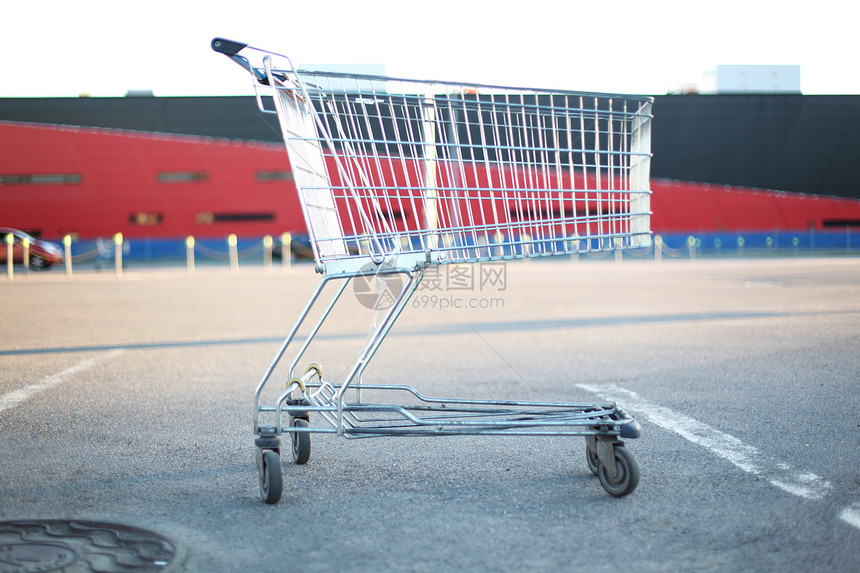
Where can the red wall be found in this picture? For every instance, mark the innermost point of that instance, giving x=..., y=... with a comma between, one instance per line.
x=680, y=206
x=120, y=177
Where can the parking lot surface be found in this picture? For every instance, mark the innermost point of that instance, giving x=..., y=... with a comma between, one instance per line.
x=128, y=401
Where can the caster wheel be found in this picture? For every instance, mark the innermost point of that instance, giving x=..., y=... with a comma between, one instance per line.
x=592, y=460
x=271, y=476
x=301, y=442
x=626, y=477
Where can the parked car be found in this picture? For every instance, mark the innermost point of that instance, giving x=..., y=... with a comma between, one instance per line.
x=43, y=254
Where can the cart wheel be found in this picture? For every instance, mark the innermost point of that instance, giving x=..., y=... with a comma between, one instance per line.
x=592, y=460
x=271, y=476
x=301, y=442
x=627, y=475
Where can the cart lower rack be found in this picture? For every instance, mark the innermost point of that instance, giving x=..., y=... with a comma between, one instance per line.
x=395, y=176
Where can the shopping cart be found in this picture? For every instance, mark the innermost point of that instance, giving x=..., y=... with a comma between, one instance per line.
x=395, y=176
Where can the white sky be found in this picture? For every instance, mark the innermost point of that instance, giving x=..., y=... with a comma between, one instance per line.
x=105, y=48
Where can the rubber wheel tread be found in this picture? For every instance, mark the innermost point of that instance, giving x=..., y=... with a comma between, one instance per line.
x=627, y=477
x=301, y=443
x=271, y=477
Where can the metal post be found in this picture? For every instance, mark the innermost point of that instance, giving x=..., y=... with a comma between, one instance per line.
x=67, y=246
x=267, y=252
x=286, y=250
x=117, y=253
x=189, y=254
x=10, y=254
x=431, y=214
x=26, y=244
x=691, y=246
x=232, y=242
x=618, y=252
x=658, y=248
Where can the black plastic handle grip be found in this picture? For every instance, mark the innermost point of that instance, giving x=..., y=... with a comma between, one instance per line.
x=227, y=47
x=231, y=49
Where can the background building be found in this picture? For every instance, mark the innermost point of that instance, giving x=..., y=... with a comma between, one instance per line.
x=152, y=167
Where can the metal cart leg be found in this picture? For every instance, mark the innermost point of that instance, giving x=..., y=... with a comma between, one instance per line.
x=268, y=437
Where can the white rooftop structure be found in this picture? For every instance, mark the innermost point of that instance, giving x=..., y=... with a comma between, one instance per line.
x=728, y=79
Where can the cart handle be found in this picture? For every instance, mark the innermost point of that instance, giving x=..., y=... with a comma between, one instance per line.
x=231, y=49
x=227, y=47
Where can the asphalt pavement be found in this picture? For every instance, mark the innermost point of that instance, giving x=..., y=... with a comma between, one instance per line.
x=128, y=401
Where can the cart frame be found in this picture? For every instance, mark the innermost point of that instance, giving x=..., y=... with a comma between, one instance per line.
x=396, y=175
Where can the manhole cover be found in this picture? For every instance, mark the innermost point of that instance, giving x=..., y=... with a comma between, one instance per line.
x=76, y=546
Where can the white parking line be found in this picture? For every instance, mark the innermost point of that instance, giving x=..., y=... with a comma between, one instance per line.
x=801, y=483
x=15, y=397
x=851, y=514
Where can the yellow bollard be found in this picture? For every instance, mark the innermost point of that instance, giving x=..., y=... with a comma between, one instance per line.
x=232, y=242
x=117, y=254
x=525, y=244
x=573, y=244
x=286, y=250
x=10, y=241
x=67, y=259
x=499, y=238
x=267, y=252
x=26, y=244
x=189, y=254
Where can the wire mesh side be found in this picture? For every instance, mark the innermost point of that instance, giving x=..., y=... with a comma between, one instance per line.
x=458, y=173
